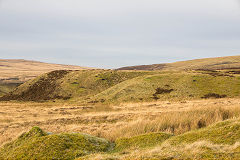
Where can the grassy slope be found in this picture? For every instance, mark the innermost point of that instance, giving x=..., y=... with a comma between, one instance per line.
x=88, y=83
x=141, y=141
x=76, y=84
x=124, y=86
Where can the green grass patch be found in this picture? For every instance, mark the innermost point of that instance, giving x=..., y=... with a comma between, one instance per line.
x=141, y=141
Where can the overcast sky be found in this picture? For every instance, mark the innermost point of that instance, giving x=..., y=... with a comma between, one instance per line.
x=115, y=33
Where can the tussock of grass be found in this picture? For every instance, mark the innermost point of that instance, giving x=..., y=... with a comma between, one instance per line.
x=36, y=144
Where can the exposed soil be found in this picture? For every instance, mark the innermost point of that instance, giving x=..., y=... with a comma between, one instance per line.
x=161, y=91
x=233, y=72
x=42, y=90
x=214, y=95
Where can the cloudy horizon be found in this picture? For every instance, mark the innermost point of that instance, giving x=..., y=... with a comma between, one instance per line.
x=112, y=34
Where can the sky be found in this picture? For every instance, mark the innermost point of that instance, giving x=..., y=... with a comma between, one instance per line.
x=117, y=33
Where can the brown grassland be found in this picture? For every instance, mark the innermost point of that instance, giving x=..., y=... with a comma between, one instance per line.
x=112, y=122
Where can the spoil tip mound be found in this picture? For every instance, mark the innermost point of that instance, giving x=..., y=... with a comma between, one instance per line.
x=43, y=89
x=36, y=144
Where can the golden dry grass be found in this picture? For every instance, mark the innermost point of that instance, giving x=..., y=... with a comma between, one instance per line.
x=112, y=122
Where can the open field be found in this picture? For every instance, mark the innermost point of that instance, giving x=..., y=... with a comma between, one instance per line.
x=115, y=121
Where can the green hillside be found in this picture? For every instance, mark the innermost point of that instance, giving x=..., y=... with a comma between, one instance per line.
x=173, y=86
x=110, y=86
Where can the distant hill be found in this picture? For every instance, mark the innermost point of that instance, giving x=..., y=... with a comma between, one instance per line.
x=14, y=72
x=23, y=70
x=219, y=63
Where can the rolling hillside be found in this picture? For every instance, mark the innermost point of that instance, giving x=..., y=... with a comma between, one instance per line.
x=108, y=86
x=219, y=63
x=14, y=72
x=196, y=79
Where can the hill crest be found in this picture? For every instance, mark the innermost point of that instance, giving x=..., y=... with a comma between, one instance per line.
x=217, y=63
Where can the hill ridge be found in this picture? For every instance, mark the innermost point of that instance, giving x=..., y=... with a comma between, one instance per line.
x=215, y=63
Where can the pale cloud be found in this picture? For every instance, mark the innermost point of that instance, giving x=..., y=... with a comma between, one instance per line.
x=115, y=33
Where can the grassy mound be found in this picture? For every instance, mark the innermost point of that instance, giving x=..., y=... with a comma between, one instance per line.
x=36, y=144
x=141, y=141
x=226, y=132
